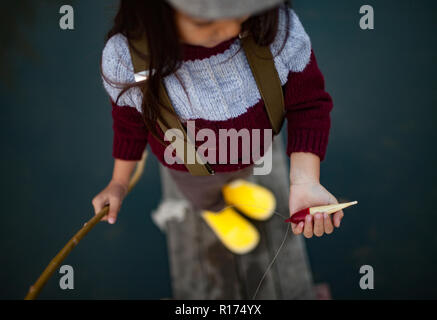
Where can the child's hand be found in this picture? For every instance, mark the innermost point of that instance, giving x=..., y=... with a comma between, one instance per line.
x=312, y=194
x=113, y=195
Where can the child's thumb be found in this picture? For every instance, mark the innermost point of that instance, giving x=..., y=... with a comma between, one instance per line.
x=114, y=207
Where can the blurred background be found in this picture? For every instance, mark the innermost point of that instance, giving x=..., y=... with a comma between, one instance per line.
x=56, y=140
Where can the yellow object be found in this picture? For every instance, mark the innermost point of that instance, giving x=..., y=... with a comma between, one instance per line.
x=235, y=232
x=251, y=199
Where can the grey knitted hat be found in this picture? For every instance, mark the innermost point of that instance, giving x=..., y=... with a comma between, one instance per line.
x=217, y=9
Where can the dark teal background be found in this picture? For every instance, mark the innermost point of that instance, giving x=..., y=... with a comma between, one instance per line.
x=56, y=141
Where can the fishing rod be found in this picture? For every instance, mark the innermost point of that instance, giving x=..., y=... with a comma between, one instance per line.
x=35, y=289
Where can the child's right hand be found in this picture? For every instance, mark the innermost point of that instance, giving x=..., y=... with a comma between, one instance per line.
x=113, y=195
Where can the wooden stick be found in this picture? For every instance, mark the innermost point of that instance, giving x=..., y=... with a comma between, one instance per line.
x=56, y=261
x=331, y=208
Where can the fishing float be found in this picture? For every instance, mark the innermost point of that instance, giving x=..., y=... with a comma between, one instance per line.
x=328, y=209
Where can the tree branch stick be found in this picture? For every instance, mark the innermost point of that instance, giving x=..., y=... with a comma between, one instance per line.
x=56, y=261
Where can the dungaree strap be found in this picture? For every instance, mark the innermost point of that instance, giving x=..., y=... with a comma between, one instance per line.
x=267, y=79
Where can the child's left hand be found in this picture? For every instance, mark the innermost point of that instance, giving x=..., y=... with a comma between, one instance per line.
x=312, y=194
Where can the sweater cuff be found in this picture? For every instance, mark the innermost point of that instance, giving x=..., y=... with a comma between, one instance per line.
x=130, y=133
x=308, y=140
x=127, y=149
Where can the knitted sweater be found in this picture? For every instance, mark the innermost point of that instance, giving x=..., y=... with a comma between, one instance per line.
x=223, y=94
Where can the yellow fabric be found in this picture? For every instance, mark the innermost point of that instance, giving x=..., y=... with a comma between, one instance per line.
x=235, y=232
x=251, y=199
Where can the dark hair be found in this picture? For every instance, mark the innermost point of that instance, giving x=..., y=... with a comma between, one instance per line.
x=156, y=20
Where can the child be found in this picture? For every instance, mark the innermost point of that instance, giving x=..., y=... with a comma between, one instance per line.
x=195, y=51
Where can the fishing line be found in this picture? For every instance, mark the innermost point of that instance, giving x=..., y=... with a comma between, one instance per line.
x=271, y=263
x=277, y=251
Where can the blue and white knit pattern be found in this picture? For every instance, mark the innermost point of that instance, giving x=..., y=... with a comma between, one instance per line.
x=217, y=89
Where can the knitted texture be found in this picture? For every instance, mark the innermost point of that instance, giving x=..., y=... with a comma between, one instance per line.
x=222, y=94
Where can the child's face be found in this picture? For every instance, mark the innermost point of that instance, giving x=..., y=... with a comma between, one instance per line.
x=207, y=33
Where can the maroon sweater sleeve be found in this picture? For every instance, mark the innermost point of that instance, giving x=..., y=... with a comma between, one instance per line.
x=308, y=108
x=130, y=133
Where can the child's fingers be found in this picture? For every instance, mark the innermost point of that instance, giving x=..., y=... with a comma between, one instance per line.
x=308, y=228
x=337, y=218
x=318, y=224
x=297, y=228
x=301, y=225
x=329, y=227
x=98, y=203
x=114, y=207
